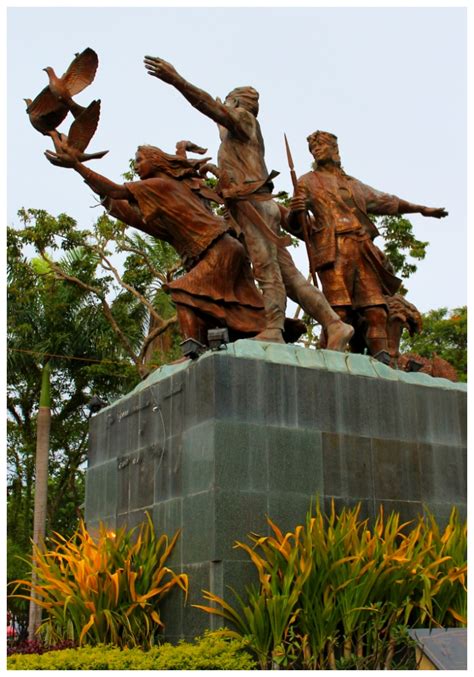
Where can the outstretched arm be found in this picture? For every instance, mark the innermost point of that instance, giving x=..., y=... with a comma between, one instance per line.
x=198, y=98
x=380, y=203
x=405, y=207
x=99, y=184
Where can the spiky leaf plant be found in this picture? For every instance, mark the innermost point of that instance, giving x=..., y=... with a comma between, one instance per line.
x=104, y=589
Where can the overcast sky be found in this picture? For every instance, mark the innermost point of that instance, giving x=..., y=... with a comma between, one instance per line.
x=389, y=82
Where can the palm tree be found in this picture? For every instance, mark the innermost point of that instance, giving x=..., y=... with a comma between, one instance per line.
x=65, y=317
x=53, y=330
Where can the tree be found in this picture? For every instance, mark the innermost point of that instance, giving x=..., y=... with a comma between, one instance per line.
x=140, y=311
x=400, y=245
x=99, y=329
x=48, y=333
x=444, y=334
x=63, y=325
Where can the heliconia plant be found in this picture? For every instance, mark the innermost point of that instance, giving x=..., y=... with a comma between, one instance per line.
x=336, y=593
x=103, y=589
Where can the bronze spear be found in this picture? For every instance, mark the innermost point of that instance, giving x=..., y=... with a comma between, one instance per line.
x=304, y=216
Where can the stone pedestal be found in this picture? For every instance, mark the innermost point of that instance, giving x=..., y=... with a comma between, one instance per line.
x=213, y=446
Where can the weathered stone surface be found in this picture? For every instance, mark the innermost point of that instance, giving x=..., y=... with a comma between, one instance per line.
x=212, y=447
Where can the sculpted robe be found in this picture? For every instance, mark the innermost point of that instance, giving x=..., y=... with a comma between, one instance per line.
x=219, y=280
x=353, y=271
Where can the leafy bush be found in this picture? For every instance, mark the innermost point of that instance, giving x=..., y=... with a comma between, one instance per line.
x=34, y=646
x=332, y=593
x=210, y=652
x=104, y=590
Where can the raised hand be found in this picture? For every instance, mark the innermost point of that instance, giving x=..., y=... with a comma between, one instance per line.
x=63, y=157
x=182, y=147
x=160, y=68
x=72, y=147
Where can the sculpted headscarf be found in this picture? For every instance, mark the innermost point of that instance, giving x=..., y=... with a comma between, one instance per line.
x=249, y=96
x=327, y=138
x=324, y=137
x=173, y=165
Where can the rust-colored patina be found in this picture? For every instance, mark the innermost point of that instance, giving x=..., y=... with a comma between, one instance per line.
x=355, y=275
x=170, y=202
x=53, y=103
x=246, y=187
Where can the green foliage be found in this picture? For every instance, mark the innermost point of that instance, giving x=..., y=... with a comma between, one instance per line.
x=444, y=333
x=70, y=306
x=52, y=322
x=209, y=652
x=106, y=589
x=334, y=593
x=400, y=244
x=128, y=297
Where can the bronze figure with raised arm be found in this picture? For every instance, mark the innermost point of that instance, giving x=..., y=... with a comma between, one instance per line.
x=246, y=186
x=354, y=273
x=170, y=202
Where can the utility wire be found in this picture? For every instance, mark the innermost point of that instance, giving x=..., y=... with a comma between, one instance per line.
x=72, y=357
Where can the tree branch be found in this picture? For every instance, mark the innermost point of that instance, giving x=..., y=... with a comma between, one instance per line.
x=105, y=306
x=155, y=333
x=132, y=290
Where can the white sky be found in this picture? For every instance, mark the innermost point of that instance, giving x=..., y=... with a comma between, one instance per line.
x=390, y=82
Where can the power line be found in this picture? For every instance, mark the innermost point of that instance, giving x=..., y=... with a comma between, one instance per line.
x=66, y=357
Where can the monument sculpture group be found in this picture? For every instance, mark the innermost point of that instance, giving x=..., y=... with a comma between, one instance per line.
x=239, y=272
x=212, y=445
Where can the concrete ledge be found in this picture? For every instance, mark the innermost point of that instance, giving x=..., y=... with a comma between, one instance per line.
x=298, y=356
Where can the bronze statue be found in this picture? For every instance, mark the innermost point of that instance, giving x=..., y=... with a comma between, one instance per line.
x=434, y=366
x=246, y=186
x=80, y=133
x=401, y=315
x=170, y=202
x=53, y=103
x=354, y=273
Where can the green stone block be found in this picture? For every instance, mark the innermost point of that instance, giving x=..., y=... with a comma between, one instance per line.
x=335, y=361
x=384, y=371
x=417, y=379
x=199, y=531
x=310, y=358
x=198, y=458
x=289, y=510
x=252, y=350
x=295, y=460
x=280, y=354
x=360, y=365
x=241, y=456
x=237, y=513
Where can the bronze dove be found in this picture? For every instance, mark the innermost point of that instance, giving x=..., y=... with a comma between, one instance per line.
x=80, y=133
x=53, y=103
x=45, y=112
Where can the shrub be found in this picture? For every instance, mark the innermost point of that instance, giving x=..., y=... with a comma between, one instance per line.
x=34, y=646
x=104, y=590
x=210, y=652
x=333, y=593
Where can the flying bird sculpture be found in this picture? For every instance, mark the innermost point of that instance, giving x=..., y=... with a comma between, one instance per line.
x=53, y=103
x=80, y=134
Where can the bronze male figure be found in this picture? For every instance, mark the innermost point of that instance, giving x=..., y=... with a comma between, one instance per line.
x=354, y=273
x=246, y=186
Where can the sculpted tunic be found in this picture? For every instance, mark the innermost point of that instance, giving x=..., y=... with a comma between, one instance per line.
x=353, y=271
x=219, y=279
